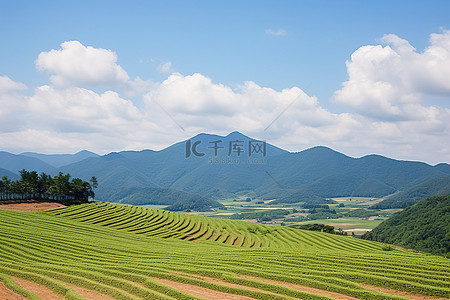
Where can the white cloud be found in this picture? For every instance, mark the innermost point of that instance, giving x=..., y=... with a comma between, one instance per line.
x=278, y=32
x=385, y=90
x=389, y=82
x=165, y=67
x=76, y=64
x=81, y=110
x=196, y=103
x=11, y=104
x=8, y=85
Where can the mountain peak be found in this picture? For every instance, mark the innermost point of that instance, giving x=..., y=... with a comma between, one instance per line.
x=237, y=135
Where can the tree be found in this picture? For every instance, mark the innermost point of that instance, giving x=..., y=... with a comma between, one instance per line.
x=32, y=186
x=94, y=185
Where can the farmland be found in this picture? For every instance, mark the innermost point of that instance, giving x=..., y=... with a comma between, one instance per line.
x=129, y=252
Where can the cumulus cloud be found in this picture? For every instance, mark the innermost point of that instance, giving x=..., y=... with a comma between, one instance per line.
x=387, y=91
x=81, y=110
x=11, y=104
x=76, y=64
x=8, y=85
x=278, y=32
x=197, y=103
x=389, y=82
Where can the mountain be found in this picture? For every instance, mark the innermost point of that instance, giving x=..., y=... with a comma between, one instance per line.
x=59, y=160
x=443, y=167
x=431, y=187
x=192, y=166
x=424, y=226
x=16, y=162
x=216, y=167
x=9, y=174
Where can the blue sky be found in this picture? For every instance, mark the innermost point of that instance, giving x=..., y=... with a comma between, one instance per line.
x=219, y=55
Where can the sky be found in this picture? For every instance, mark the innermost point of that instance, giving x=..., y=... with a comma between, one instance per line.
x=360, y=77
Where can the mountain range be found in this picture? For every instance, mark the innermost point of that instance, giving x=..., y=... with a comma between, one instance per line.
x=209, y=167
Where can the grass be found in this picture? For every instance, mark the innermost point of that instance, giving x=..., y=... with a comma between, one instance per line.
x=346, y=223
x=118, y=249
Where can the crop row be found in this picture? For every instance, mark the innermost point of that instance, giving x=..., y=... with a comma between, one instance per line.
x=58, y=250
x=165, y=224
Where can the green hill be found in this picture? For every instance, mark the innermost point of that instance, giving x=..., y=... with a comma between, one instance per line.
x=431, y=187
x=129, y=252
x=425, y=226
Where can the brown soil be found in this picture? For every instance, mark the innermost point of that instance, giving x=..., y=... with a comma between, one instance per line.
x=399, y=293
x=87, y=293
x=200, y=292
x=221, y=282
x=7, y=294
x=30, y=205
x=303, y=288
x=41, y=291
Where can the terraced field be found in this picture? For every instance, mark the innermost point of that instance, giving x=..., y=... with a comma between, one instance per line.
x=165, y=224
x=105, y=251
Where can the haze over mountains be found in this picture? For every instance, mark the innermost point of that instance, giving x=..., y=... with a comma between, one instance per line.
x=209, y=167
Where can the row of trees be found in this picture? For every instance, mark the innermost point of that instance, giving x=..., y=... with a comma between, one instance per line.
x=60, y=188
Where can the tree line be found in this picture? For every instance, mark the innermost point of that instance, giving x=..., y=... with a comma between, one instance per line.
x=61, y=188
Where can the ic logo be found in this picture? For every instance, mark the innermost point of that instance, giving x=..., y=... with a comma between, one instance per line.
x=192, y=147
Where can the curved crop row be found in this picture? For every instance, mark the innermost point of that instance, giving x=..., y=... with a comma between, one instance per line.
x=63, y=248
x=153, y=222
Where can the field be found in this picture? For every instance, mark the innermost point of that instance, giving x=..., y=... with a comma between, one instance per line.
x=105, y=251
x=357, y=225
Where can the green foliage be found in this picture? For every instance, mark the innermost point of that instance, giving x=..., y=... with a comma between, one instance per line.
x=195, y=203
x=425, y=226
x=267, y=215
x=387, y=248
x=316, y=227
x=122, y=251
x=432, y=187
x=361, y=213
x=32, y=186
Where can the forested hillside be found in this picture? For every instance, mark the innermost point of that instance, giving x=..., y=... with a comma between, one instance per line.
x=424, y=226
x=429, y=188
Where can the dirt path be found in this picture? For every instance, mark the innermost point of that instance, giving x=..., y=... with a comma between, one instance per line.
x=7, y=294
x=41, y=291
x=221, y=282
x=31, y=206
x=399, y=293
x=87, y=293
x=303, y=288
x=201, y=292
x=233, y=285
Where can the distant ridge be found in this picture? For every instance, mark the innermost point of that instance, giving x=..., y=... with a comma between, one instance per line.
x=59, y=160
x=16, y=162
x=209, y=166
x=432, y=187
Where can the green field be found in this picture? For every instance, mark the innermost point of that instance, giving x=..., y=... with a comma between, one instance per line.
x=346, y=223
x=357, y=225
x=130, y=252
